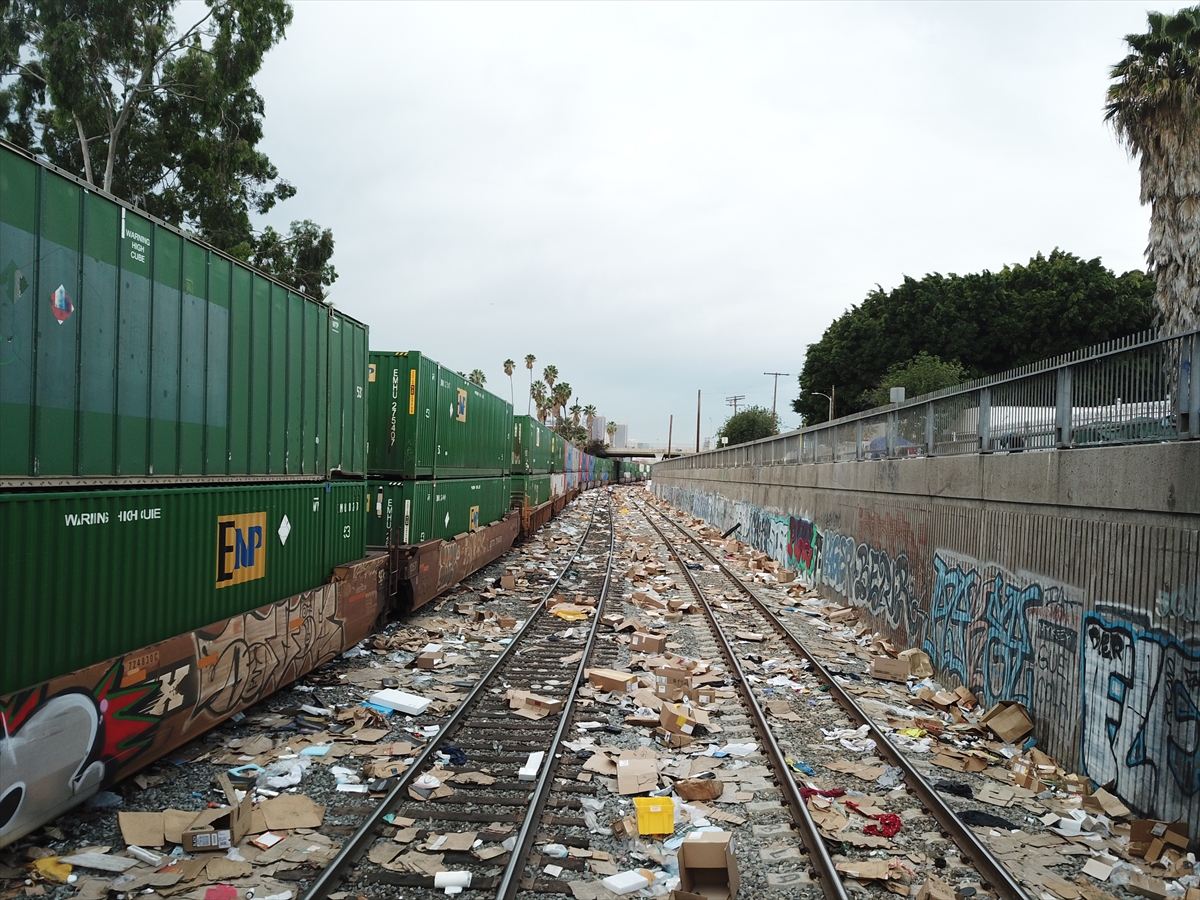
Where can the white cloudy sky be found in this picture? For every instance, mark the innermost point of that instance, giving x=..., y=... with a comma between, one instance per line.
x=665, y=198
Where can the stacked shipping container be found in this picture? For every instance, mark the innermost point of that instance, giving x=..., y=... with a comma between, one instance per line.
x=440, y=450
x=137, y=364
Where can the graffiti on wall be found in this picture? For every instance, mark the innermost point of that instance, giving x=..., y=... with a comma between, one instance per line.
x=65, y=739
x=1119, y=688
x=1141, y=724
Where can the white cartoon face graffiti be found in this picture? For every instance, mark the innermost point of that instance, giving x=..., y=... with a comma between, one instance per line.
x=43, y=765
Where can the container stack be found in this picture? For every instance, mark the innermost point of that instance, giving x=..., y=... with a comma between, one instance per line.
x=175, y=429
x=537, y=456
x=439, y=455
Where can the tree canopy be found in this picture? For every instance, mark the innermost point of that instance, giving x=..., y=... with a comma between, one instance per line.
x=984, y=323
x=162, y=115
x=750, y=424
x=1153, y=104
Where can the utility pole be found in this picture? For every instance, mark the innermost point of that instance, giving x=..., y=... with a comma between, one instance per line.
x=670, y=432
x=733, y=401
x=697, y=421
x=775, y=396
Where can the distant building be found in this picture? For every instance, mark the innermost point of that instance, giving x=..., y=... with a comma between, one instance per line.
x=621, y=438
x=598, y=425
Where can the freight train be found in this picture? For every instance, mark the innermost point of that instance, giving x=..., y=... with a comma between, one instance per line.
x=209, y=486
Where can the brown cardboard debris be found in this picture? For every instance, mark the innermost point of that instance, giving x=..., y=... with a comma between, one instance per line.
x=752, y=636
x=1008, y=720
x=682, y=719
x=699, y=788
x=142, y=829
x=1098, y=869
x=532, y=706
x=647, y=642
x=858, y=770
x=708, y=865
x=289, y=811
x=174, y=822
x=935, y=889
x=637, y=771
x=220, y=828
x=1147, y=886
x=461, y=841
x=1110, y=805
x=995, y=795
x=222, y=869
x=884, y=668
x=611, y=680
x=889, y=871
x=959, y=762
x=919, y=664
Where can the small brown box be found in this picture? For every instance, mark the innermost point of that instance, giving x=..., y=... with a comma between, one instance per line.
x=884, y=668
x=430, y=659
x=221, y=828
x=1008, y=720
x=647, y=642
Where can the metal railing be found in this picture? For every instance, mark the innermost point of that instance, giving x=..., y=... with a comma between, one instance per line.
x=1144, y=388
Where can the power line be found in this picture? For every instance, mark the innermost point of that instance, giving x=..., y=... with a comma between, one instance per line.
x=775, y=396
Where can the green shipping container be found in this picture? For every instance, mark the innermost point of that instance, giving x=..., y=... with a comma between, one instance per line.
x=536, y=449
x=531, y=490
x=403, y=509
x=416, y=511
x=94, y=574
x=466, y=504
x=132, y=352
x=402, y=392
x=428, y=421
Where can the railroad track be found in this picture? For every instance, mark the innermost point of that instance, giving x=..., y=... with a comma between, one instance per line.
x=710, y=576
x=483, y=825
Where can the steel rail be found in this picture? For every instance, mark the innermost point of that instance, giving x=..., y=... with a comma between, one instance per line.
x=511, y=881
x=331, y=876
x=818, y=853
x=992, y=871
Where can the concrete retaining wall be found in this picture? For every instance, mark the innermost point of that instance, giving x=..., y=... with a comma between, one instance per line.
x=1067, y=580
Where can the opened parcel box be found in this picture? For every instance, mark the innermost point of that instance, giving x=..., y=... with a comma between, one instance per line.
x=223, y=827
x=708, y=865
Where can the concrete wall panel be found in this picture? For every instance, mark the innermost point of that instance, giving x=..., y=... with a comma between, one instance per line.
x=1067, y=580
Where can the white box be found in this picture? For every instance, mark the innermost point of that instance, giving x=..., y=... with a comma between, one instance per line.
x=410, y=704
x=626, y=882
x=529, y=771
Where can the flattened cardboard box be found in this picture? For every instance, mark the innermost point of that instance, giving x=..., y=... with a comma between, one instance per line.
x=708, y=865
x=637, y=772
x=222, y=828
x=884, y=668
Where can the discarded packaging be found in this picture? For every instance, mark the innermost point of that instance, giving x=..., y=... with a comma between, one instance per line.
x=708, y=865
x=409, y=704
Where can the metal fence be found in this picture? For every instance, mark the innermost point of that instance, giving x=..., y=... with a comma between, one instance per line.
x=1140, y=389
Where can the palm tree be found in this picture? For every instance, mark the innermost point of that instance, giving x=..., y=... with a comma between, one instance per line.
x=611, y=430
x=550, y=375
x=576, y=411
x=589, y=413
x=477, y=377
x=1153, y=105
x=530, y=359
x=560, y=396
x=537, y=393
x=509, y=365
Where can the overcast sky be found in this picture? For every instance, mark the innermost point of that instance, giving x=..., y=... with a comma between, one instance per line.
x=665, y=198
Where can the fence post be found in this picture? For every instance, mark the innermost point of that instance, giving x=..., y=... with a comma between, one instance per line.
x=1062, y=411
x=985, y=420
x=929, y=435
x=1188, y=389
x=1194, y=393
x=858, y=450
x=892, y=426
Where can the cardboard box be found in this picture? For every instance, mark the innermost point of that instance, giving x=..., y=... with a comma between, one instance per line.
x=647, y=642
x=532, y=706
x=1147, y=886
x=682, y=719
x=221, y=828
x=1008, y=720
x=670, y=683
x=919, y=663
x=506, y=621
x=708, y=865
x=611, y=680
x=704, y=695
x=431, y=659
x=400, y=701
x=670, y=739
x=884, y=668
x=508, y=582
x=637, y=771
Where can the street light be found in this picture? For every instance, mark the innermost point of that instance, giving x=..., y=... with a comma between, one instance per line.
x=829, y=397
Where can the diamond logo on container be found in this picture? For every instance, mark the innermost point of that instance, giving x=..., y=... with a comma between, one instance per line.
x=285, y=528
x=447, y=520
x=61, y=305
